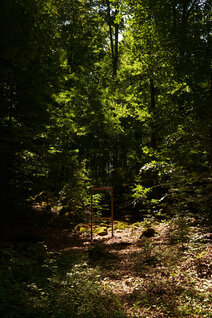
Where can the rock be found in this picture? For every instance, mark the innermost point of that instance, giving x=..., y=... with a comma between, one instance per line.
x=148, y=233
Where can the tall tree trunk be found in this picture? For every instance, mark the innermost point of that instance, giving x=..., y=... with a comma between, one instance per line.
x=110, y=29
x=114, y=46
x=208, y=56
x=115, y=58
x=152, y=107
x=154, y=134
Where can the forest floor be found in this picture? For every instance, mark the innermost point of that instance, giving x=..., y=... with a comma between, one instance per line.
x=167, y=275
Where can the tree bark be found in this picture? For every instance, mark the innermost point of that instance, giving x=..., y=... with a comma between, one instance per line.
x=152, y=107
x=154, y=134
x=114, y=46
x=115, y=58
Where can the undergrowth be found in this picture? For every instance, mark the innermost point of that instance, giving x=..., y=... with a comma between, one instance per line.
x=175, y=276
x=37, y=283
x=168, y=275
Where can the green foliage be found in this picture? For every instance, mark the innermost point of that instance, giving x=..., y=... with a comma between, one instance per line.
x=180, y=231
x=147, y=250
x=170, y=285
x=26, y=86
x=140, y=193
x=169, y=297
x=98, y=252
x=36, y=283
x=71, y=119
x=190, y=194
x=101, y=203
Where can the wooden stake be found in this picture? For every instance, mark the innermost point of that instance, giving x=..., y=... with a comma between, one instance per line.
x=112, y=209
x=91, y=215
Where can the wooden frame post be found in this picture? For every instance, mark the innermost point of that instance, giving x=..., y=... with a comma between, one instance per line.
x=110, y=189
x=91, y=214
x=112, y=212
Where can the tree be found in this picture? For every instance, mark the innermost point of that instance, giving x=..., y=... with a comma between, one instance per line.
x=79, y=106
x=166, y=43
x=29, y=69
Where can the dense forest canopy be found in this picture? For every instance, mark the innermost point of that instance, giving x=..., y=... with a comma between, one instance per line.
x=106, y=93
x=114, y=94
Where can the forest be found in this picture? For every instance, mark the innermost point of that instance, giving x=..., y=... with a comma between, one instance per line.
x=115, y=94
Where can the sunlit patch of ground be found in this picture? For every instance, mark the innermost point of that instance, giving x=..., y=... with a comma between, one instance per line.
x=167, y=275
x=159, y=276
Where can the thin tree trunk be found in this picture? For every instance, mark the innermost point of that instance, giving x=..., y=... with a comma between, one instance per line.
x=152, y=106
x=110, y=29
x=115, y=58
x=209, y=144
x=154, y=134
x=114, y=46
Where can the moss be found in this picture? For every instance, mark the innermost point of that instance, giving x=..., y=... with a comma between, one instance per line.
x=82, y=227
x=136, y=225
x=118, y=225
x=105, y=224
x=101, y=231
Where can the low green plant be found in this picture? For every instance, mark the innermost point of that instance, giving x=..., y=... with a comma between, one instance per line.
x=171, y=296
x=203, y=265
x=81, y=294
x=98, y=251
x=179, y=230
x=149, y=222
x=147, y=249
x=146, y=257
x=38, y=283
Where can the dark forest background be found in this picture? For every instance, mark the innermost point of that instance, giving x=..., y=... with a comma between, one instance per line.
x=106, y=93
